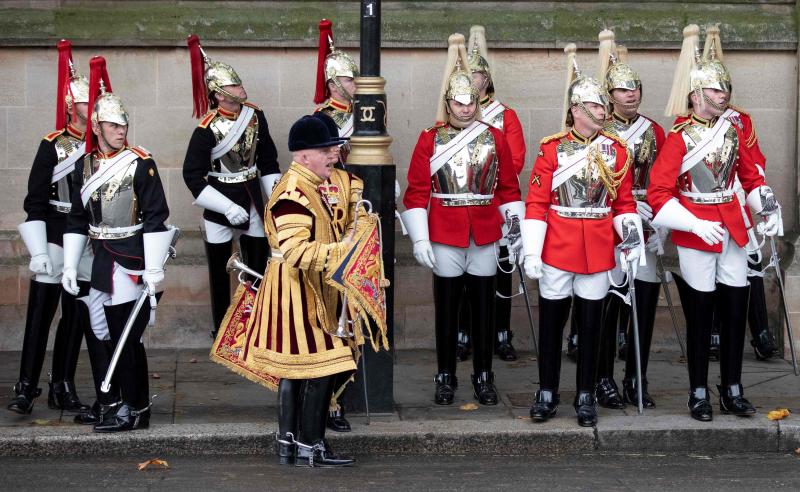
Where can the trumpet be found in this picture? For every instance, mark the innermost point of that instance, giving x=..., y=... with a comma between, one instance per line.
x=235, y=264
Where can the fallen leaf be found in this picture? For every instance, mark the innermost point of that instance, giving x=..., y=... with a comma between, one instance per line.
x=469, y=406
x=522, y=417
x=797, y=451
x=156, y=375
x=532, y=358
x=154, y=462
x=778, y=414
x=192, y=361
x=41, y=422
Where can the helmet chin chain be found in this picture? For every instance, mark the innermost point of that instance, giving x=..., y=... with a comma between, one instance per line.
x=458, y=121
x=342, y=90
x=593, y=118
x=625, y=106
x=230, y=96
x=718, y=107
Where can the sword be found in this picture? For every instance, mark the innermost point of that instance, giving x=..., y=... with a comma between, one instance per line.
x=774, y=261
x=105, y=386
x=524, y=287
x=364, y=379
x=635, y=324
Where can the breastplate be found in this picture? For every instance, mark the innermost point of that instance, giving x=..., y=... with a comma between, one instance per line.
x=716, y=172
x=470, y=175
x=497, y=120
x=114, y=204
x=341, y=119
x=584, y=189
x=65, y=145
x=242, y=155
x=643, y=149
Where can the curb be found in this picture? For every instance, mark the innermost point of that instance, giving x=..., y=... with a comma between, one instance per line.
x=670, y=434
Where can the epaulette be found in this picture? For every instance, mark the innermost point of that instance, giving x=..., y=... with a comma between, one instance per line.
x=680, y=126
x=251, y=105
x=552, y=137
x=204, y=122
x=141, y=152
x=437, y=125
x=52, y=136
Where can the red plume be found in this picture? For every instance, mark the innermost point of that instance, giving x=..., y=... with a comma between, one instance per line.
x=64, y=57
x=97, y=73
x=325, y=34
x=198, y=66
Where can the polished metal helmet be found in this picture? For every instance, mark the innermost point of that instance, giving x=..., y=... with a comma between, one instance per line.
x=581, y=89
x=108, y=107
x=460, y=88
x=709, y=73
x=621, y=76
x=477, y=59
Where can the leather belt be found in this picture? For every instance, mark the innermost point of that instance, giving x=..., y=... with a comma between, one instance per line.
x=723, y=196
x=463, y=199
x=63, y=207
x=581, y=212
x=105, y=232
x=240, y=177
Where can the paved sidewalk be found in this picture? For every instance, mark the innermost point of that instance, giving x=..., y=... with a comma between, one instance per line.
x=204, y=408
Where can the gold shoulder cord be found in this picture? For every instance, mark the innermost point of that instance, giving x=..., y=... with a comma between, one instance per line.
x=610, y=179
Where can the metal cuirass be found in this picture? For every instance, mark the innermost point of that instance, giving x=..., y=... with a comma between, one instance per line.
x=644, y=154
x=470, y=175
x=114, y=204
x=717, y=171
x=496, y=121
x=65, y=145
x=242, y=155
x=584, y=189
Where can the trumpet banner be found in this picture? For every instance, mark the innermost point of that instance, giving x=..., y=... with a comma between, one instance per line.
x=359, y=275
x=232, y=337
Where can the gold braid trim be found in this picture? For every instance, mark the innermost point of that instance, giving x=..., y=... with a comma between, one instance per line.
x=611, y=179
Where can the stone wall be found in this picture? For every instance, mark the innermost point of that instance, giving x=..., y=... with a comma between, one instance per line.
x=151, y=74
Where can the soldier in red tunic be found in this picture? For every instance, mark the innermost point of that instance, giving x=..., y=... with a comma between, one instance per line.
x=644, y=137
x=461, y=184
x=692, y=192
x=579, y=194
x=500, y=116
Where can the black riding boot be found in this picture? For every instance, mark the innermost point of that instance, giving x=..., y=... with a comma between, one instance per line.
x=553, y=315
x=42, y=304
x=289, y=403
x=219, y=280
x=733, y=301
x=502, y=319
x=143, y=384
x=572, y=341
x=464, y=346
x=312, y=447
x=763, y=341
x=646, y=305
x=336, y=420
x=66, y=349
x=589, y=314
x=624, y=334
x=255, y=253
x=447, y=294
x=698, y=307
x=480, y=292
x=127, y=374
x=100, y=353
x=713, y=349
x=606, y=390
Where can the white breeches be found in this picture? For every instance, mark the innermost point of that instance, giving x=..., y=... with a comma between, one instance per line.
x=216, y=233
x=560, y=284
x=56, y=254
x=702, y=270
x=125, y=290
x=454, y=262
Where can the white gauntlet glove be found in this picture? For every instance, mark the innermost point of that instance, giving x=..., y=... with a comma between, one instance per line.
x=74, y=245
x=212, y=199
x=416, y=221
x=34, y=235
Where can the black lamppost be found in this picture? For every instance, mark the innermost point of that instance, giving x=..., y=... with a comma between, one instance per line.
x=370, y=159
